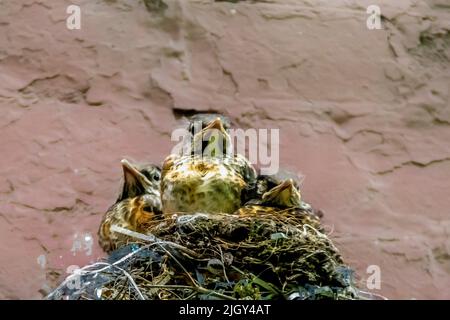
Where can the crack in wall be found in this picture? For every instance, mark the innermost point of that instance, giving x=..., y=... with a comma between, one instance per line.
x=413, y=163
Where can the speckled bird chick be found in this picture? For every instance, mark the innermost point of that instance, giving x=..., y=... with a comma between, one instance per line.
x=285, y=198
x=264, y=183
x=209, y=179
x=136, y=208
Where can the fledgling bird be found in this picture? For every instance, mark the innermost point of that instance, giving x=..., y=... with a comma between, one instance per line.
x=285, y=198
x=254, y=193
x=209, y=178
x=137, y=206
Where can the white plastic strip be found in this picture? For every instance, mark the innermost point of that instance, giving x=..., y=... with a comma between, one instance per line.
x=133, y=234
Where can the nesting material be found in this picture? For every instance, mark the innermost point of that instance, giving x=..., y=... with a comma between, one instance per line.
x=220, y=256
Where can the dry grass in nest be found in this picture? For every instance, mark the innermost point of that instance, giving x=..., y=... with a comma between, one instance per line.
x=273, y=256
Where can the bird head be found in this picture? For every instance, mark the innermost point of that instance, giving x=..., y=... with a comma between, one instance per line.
x=139, y=180
x=283, y=195
x=201, y=120
x=212, y=141
x=149, y=204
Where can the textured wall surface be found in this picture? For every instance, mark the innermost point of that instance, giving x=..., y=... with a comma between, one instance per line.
x=363, y=114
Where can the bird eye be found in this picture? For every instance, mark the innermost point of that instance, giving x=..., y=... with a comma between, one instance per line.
x=148, y=209
x=151, y=175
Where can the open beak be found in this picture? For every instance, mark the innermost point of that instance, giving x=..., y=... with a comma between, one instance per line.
x=284, y=194
x=132, y=174
x=216, y=124
x=129, y=169
x=285, y=185
x=202, y=139
x=135, y=183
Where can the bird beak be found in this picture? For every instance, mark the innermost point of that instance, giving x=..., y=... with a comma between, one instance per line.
x=216, y=124
x=288, y=184
x=129, y=170
x=283, y=194
x=221, y=140
x=135, y=183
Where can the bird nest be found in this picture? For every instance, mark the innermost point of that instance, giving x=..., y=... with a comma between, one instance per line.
x=221, y=256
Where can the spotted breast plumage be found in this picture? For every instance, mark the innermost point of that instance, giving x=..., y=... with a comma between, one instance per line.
x=209, y=178
x=137, y=207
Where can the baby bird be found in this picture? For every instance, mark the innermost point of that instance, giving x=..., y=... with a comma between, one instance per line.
x=208, y=178
x=136, y=208
x=285, y=198
x=254, y=193
x=261, y=185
